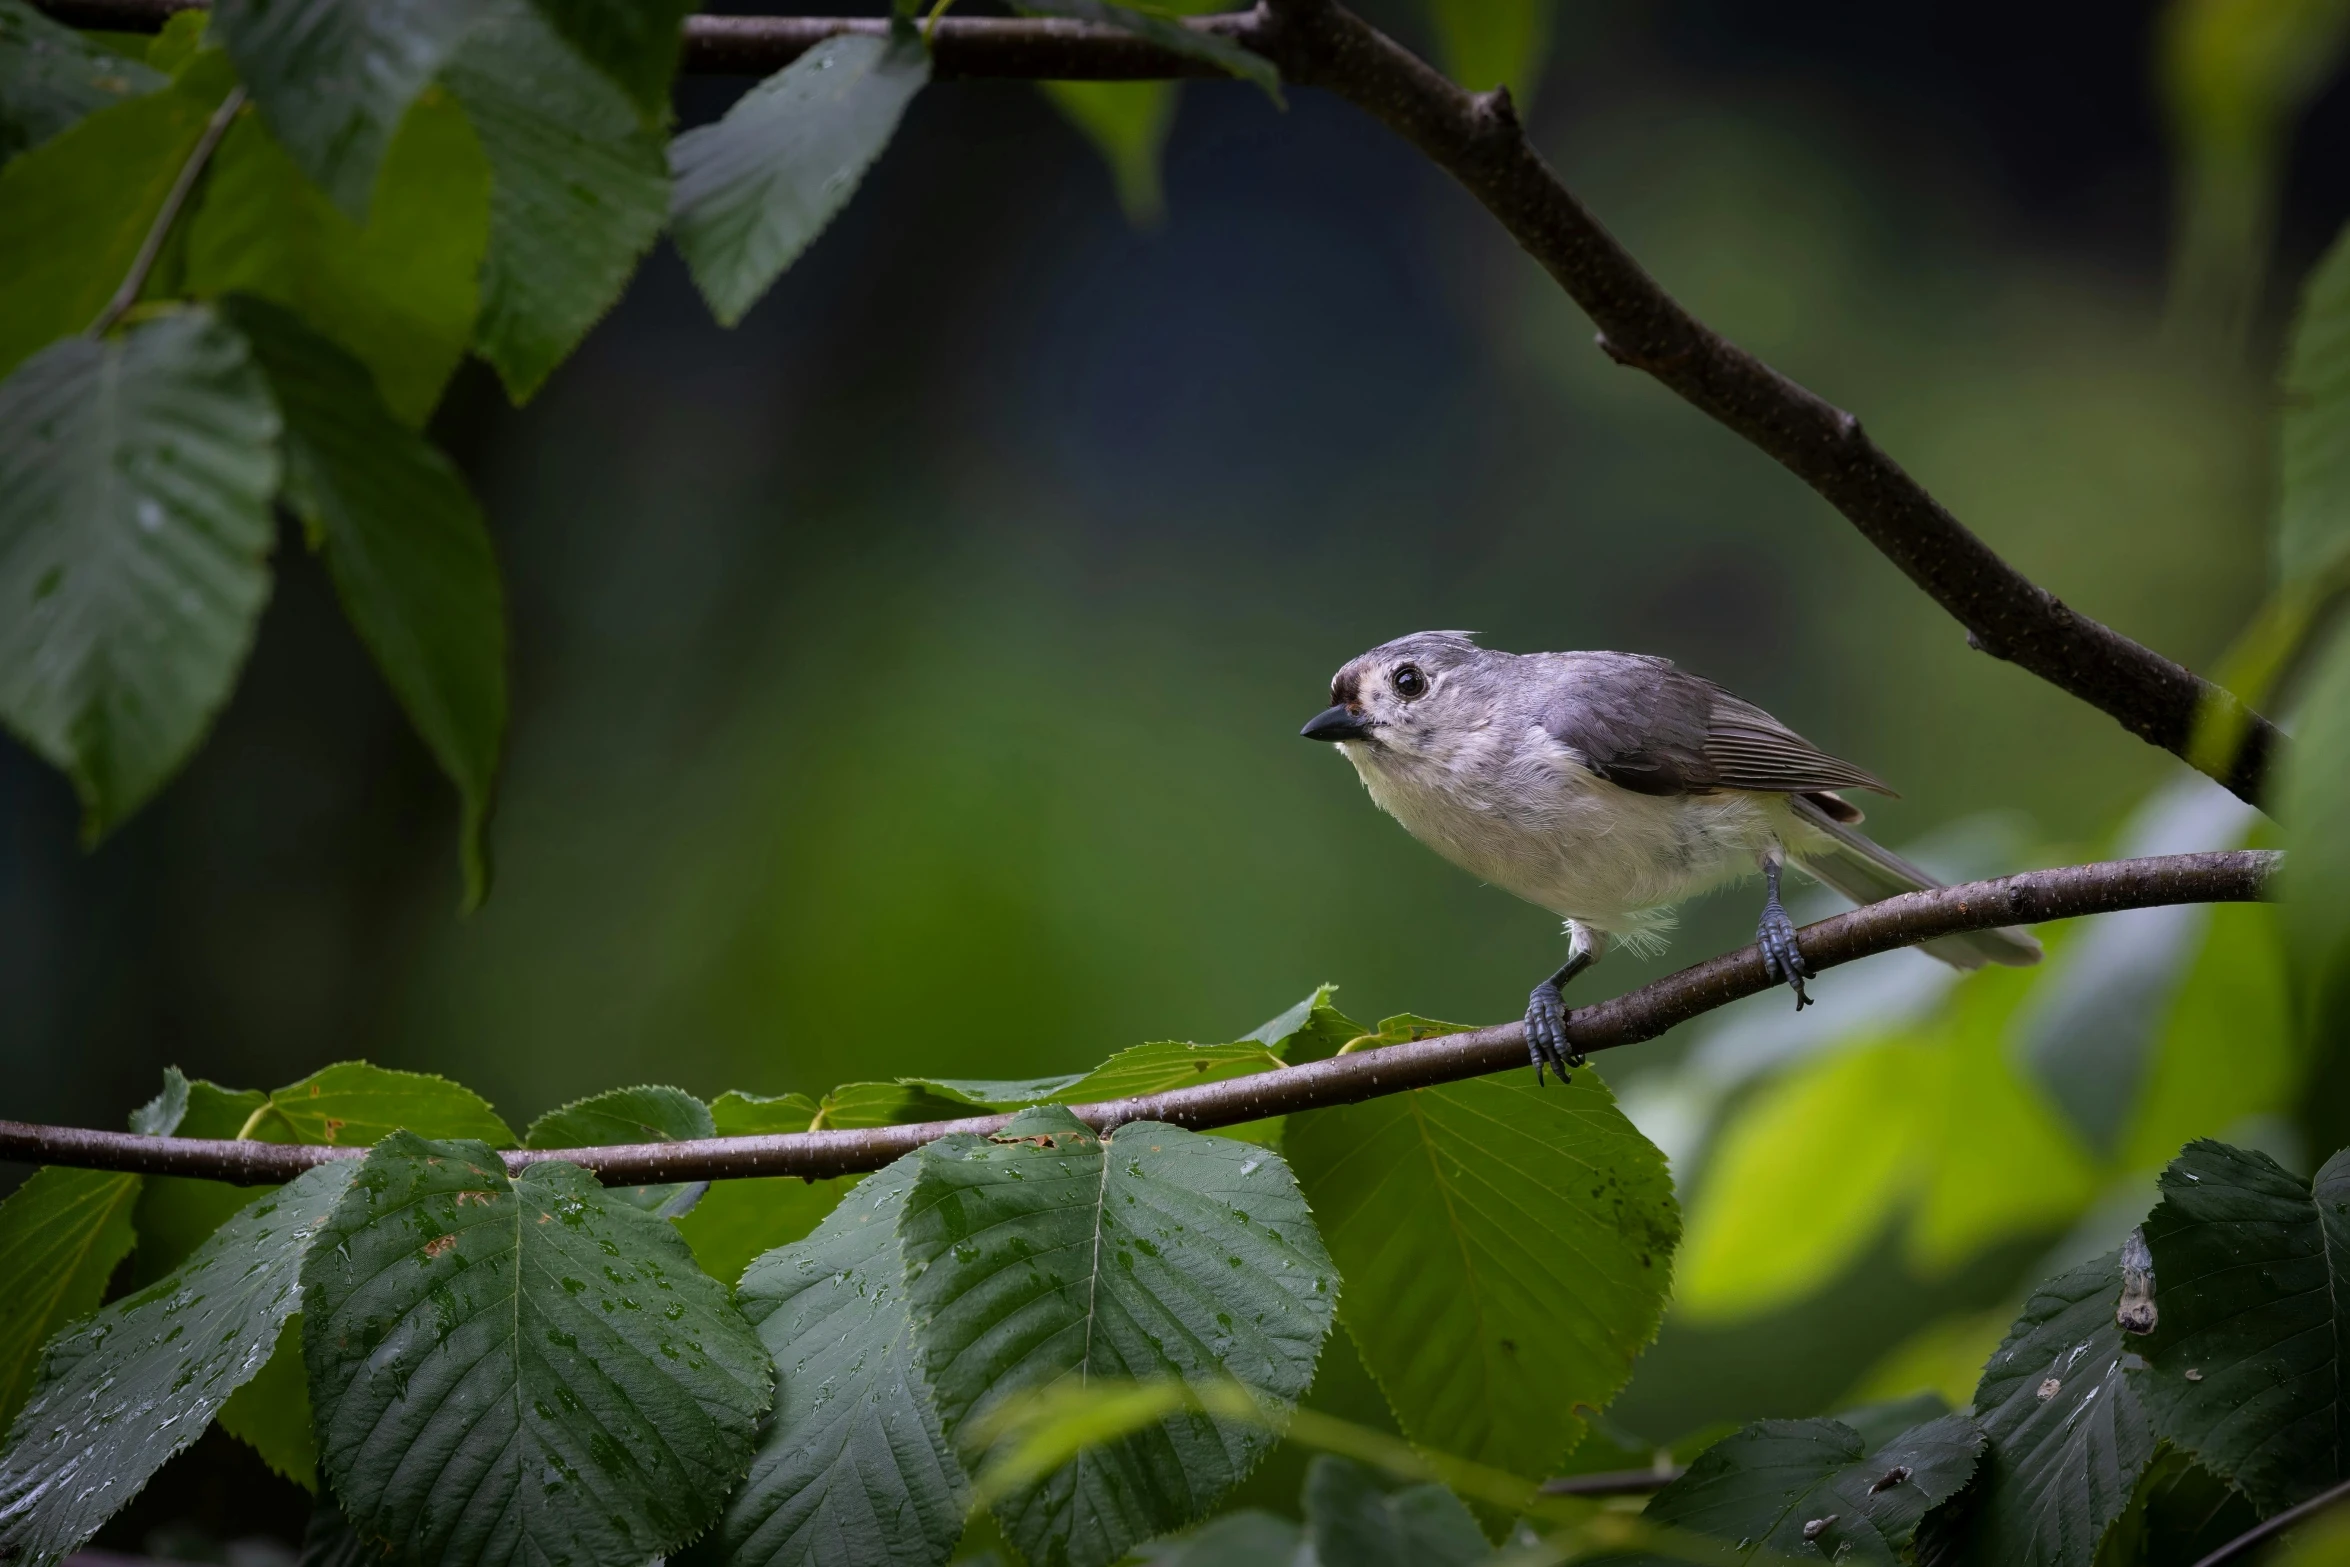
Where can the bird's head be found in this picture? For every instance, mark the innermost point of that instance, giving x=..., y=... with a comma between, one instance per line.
x=1416, y=696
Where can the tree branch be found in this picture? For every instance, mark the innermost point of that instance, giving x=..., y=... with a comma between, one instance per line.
x=2225, y=876
x=1478, y=140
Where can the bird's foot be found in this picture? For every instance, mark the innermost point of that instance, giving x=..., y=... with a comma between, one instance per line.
x=1546, y=1033
x=1782, y=958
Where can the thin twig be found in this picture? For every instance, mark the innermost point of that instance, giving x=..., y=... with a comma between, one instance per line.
x=1613, y=1482
x=2225, y=876
x=2269, y=1529
x=160, y=230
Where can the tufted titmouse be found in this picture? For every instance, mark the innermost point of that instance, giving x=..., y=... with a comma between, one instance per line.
x=1608, y=787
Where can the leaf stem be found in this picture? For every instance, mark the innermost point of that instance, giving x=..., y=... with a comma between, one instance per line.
x=152, y=246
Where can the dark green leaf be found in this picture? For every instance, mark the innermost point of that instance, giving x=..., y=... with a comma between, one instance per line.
x=627, y=1115
x=1507, y=1250
x=63, y=1233
x=51, y=76
x=2316, y=810
x=127, y=1389
x=738, y=1220
x=1045, y=1253
x=2181, y=1514
x=161, y=1115
x=175, y=1214
x=580, y=188
x=2252, y=1291
x=412, y=563
x=1244, y=1539
x=632, y=41
x=135, y=480
x=1877, y=1424
x=335, y=77
x=271, y=1413
x=853, y=1470
x=1168, y=34
x=2313, y=495
x=354, y=1104
x=399, y=292
x=1493, y=43
x=1351, y=1518
x=1785, y=1485
x=755, y=189
x=74, y=210
x=550, y=1356
x=2069, y=1436
x=330, y=1541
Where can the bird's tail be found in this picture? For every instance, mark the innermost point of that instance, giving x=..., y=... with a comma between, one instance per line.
x=1867, y=872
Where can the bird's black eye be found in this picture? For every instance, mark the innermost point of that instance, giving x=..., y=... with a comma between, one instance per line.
x=1409, y=683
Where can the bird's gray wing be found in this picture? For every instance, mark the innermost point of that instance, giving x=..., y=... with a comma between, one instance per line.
x=1749, y=749
x=1635, y=721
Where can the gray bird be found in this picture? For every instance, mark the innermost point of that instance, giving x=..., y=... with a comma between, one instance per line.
x=1607, y=788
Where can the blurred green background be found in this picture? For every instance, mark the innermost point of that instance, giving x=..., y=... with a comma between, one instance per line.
x=908, y=681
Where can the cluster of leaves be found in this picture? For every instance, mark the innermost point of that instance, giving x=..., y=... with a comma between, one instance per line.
x=471, y=1364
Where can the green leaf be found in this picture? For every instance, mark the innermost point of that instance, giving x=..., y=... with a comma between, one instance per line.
x=1350, y=1518
x=1046, y=1254
x=74, y=210
x=161, y=1115
x=1127, y=122
x=271, y=1413
x=579, y=190
x=1247, y=1538
x=63, y=1233
x=51, y=76
x=2252, y=1290
x=1156, y=1068
x=626, y=1115
x=1493, y=43
x=2313, y=500
x=2069, y=1436
x=1805, y=1488
x=181, y=38
x=175, y=1214
x=398, y=293
x=853, y=1470
x=1169, y=34
x=860, y=1105
x=755, y=189
x=410, y=557
x=330, y=1541
x=2316, y=811
x=1507, y=1249
x=95, y=1430
x=632, y=41
x=355, y=1104
x=552, y=1357
x=738, y=1220
x=335, y=77
x=135, y=479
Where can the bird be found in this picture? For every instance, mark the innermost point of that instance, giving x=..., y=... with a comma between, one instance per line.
x=1608, y=788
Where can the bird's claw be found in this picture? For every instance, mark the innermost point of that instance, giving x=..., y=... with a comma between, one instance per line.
x=1546, y=1034
x=1782, y=958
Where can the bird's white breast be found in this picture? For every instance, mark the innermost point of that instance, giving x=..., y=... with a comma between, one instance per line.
x=1524, y=813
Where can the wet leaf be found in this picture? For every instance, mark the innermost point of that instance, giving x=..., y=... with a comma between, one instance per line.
x=521, y=1371
x=853, y=1470
x=63, y=1232
x=2069, y=1436
x=1508, y=1250
x=51, y=76
x=579, y=190
x=135, y=481
x=176, y=1214
x=1806, y=1488
x=127, y=1389
x=1045, y=1255
x=738, y=1220
x=755, y=189
x=336, y=77
x=2252, y=1290
x=271, y=1413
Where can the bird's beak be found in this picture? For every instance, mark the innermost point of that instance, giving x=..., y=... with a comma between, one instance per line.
x=1338, y=723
